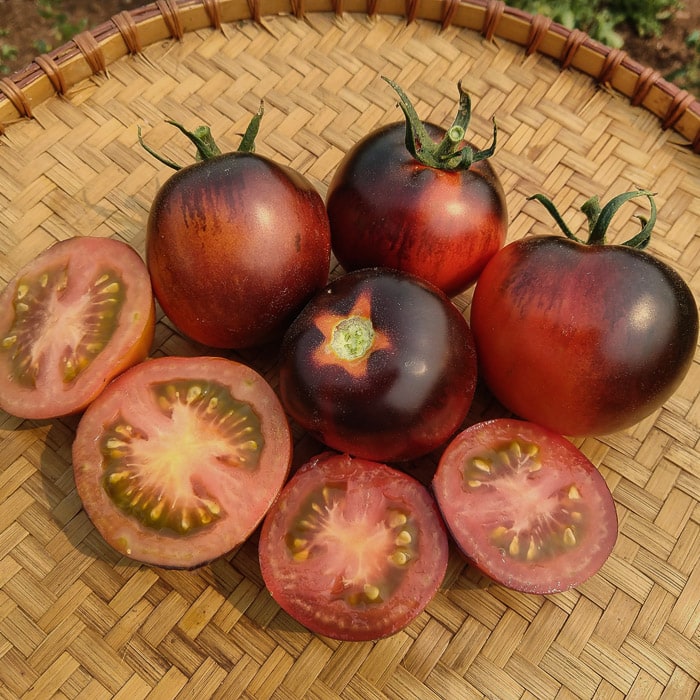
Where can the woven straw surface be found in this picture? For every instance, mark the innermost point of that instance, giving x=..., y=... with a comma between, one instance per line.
x=76, y=620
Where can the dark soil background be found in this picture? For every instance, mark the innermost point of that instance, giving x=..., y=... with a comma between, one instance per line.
x=23, y=27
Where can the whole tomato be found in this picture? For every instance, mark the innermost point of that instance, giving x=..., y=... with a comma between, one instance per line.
x=236, y=244
x=583, y=338
x=417, y=198
x=380, y=364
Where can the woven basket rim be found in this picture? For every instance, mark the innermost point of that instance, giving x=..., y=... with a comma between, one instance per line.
x=91, y=52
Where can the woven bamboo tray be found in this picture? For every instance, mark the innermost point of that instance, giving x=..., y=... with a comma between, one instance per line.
x=576, y=119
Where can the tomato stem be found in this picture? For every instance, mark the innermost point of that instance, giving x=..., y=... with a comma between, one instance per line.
x=204, y=142
x=450, y=153
x=599, y=218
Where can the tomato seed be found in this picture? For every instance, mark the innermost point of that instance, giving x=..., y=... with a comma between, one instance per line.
x=397, y=519
x=569, y=537
x=483, y=465
x=400, y=558
x=404, y=538
x=372, y=592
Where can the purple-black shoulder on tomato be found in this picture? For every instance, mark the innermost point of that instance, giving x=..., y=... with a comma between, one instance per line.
x=380, y=364
x=583, y=337
x=418, y=198
x=236, y=244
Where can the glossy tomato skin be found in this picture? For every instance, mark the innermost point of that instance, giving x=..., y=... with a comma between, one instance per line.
x=584, y=340
x=353, y=549
x=388, y=210
x=407, y=394
x=72, y=319
x=179, y=459
x=236, y=244
x=525, y=506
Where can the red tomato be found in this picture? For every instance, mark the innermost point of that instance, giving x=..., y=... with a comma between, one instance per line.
x=70, y=320
x=380, y=365
x=179, y=459
x=583, y=339
x=525, y=506
x=236, y=244
x=439, y=219
x=353, y=550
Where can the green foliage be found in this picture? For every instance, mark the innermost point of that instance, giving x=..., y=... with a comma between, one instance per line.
x=646, y=16
x=61, y=28
x=8, y=52
x=600, y=18
x=688, y=76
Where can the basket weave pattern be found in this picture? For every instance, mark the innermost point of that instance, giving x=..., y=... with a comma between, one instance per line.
x=77, y=620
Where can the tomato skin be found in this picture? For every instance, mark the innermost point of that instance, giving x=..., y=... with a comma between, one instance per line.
x=235, y=245
x=407, y=395
x=353, y=536
x=184, y=456
x=61, y=323
x=388, y=210
x=492, y=496
x=585, y=340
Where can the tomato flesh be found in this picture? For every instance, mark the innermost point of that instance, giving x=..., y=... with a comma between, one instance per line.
x=179, y=459
x=525, y=506
x=73, y=318
x=353, y=549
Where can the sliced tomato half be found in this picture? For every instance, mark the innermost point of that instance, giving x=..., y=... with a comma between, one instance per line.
x=179, y=459
x=353, y=549
x=72, y=319
x=525, y=505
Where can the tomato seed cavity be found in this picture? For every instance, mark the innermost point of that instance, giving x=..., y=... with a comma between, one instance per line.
x=37, y=301
x=153, y=478
x=321, y=524
x=538, y=532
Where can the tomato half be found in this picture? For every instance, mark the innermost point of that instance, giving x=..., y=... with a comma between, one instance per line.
x=353, y=550
x=179, y=459
x=380, y=365
x=525, y=505
x=73, y=318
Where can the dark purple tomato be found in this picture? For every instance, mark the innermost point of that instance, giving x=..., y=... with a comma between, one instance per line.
x=388, y=208
x=236, y=244
x=353, y=549
x=380, y=365
x=582, y=339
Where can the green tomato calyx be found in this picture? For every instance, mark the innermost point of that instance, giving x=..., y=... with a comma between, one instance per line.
x=352, y=338
x=599, y=218
x=204, y=142
x=451, y=152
